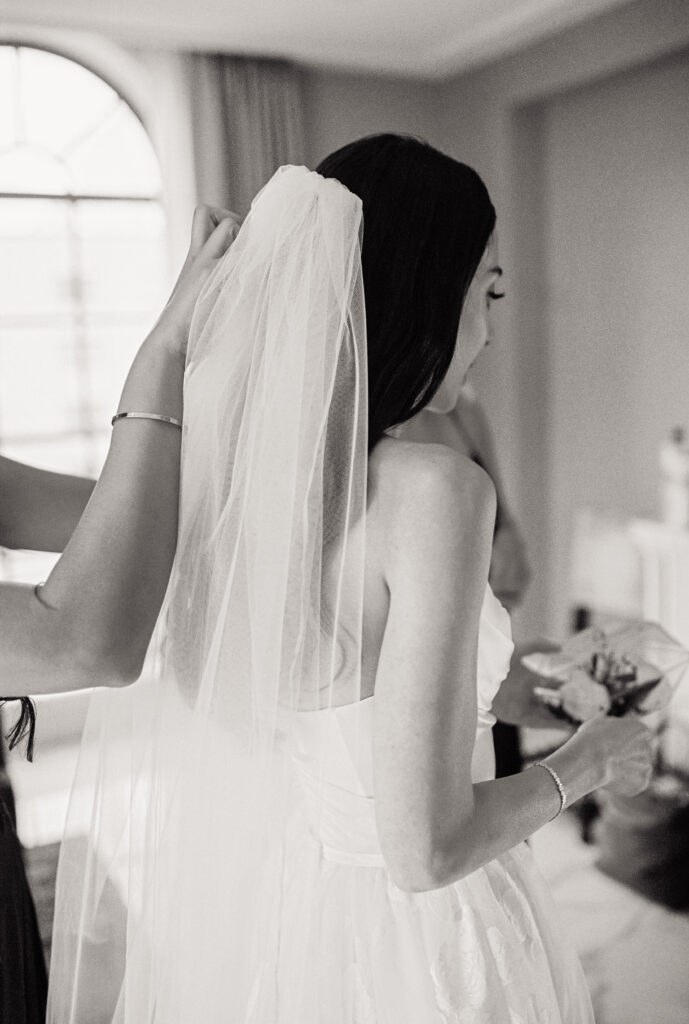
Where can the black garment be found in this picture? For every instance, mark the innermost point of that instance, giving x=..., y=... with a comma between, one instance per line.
x=6, y=794
x=508, y=757
x=23, y=977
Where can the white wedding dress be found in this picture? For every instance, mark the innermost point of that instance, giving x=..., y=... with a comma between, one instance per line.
x=221, y=863
x=485, y=950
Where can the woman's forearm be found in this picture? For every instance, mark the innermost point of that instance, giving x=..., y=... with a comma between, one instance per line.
x=474, y=424
x=91, y=622
x=96, y=612
x=39, y=510
x=507, y=811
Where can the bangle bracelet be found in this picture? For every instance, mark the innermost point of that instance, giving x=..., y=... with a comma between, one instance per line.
x=558, y=782
x=145, y=416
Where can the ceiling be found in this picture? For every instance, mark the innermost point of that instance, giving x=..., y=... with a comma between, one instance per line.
x=430, y=38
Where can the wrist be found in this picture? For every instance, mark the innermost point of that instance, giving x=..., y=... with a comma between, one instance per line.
x=580, y=769
x=168, y=340
x=156, y=378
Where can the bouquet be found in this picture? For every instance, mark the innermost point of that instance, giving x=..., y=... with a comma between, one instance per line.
x=610, y=670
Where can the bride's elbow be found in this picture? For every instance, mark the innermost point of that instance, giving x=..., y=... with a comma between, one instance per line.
x=418, y=882
x=424, y=870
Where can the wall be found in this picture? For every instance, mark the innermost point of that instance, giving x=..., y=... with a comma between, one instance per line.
x=513, y=122
x=342, y=107
x=617, y=257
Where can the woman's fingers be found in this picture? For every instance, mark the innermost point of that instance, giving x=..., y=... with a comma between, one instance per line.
x=201, y=227
x=205, y=222
x=212, y=233
x=219, y=213
x=222, y=236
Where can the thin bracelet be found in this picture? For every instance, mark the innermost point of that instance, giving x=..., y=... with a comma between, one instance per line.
x=145, y=416
x=558, y=782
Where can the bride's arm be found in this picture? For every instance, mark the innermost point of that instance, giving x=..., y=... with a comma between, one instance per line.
x=39, y=509
x=91, y=623
x=435, y=824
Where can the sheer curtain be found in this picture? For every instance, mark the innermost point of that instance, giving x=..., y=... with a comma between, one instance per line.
x=247, y=120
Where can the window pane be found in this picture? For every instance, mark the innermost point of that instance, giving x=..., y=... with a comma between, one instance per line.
x=111, y=351
x=122, y=254
x=115, y=158
x=35, y=262
x=58, y=112
x=40, y=386
x=60, y=99
x=31, y=170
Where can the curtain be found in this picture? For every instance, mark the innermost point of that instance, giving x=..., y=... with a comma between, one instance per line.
x=247, y=120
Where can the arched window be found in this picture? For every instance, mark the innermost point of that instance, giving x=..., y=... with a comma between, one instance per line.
x=83, y=266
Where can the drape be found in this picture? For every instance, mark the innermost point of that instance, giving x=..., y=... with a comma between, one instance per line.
x=247, y=120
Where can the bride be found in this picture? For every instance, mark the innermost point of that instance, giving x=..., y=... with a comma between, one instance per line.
x=295, y=819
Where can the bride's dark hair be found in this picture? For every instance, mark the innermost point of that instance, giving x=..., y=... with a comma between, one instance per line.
x=427, y=221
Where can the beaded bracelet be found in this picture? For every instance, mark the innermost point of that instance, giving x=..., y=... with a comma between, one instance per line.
x=558, y=782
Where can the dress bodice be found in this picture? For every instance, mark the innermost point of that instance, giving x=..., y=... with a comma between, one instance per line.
x=333, y=751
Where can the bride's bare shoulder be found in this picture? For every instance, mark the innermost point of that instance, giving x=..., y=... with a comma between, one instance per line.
x=410, y=481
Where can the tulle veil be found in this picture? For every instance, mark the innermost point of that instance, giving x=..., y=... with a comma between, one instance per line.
x=186, y=800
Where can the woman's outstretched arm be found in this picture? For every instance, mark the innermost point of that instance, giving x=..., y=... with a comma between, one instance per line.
x=509, y=573
x=435, y=824
x=39, y=509
x=91, y=622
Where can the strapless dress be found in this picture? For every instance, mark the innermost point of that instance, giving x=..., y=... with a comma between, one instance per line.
x=484, y=950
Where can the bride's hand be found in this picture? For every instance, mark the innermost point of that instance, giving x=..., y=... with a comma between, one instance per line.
x=212, y=233
x=623, y=749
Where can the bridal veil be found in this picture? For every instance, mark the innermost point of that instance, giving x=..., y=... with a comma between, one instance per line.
x=170, y=881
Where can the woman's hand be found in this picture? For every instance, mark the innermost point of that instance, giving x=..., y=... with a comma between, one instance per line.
x=629, y=753
x=619, y=751
x=212, y=233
